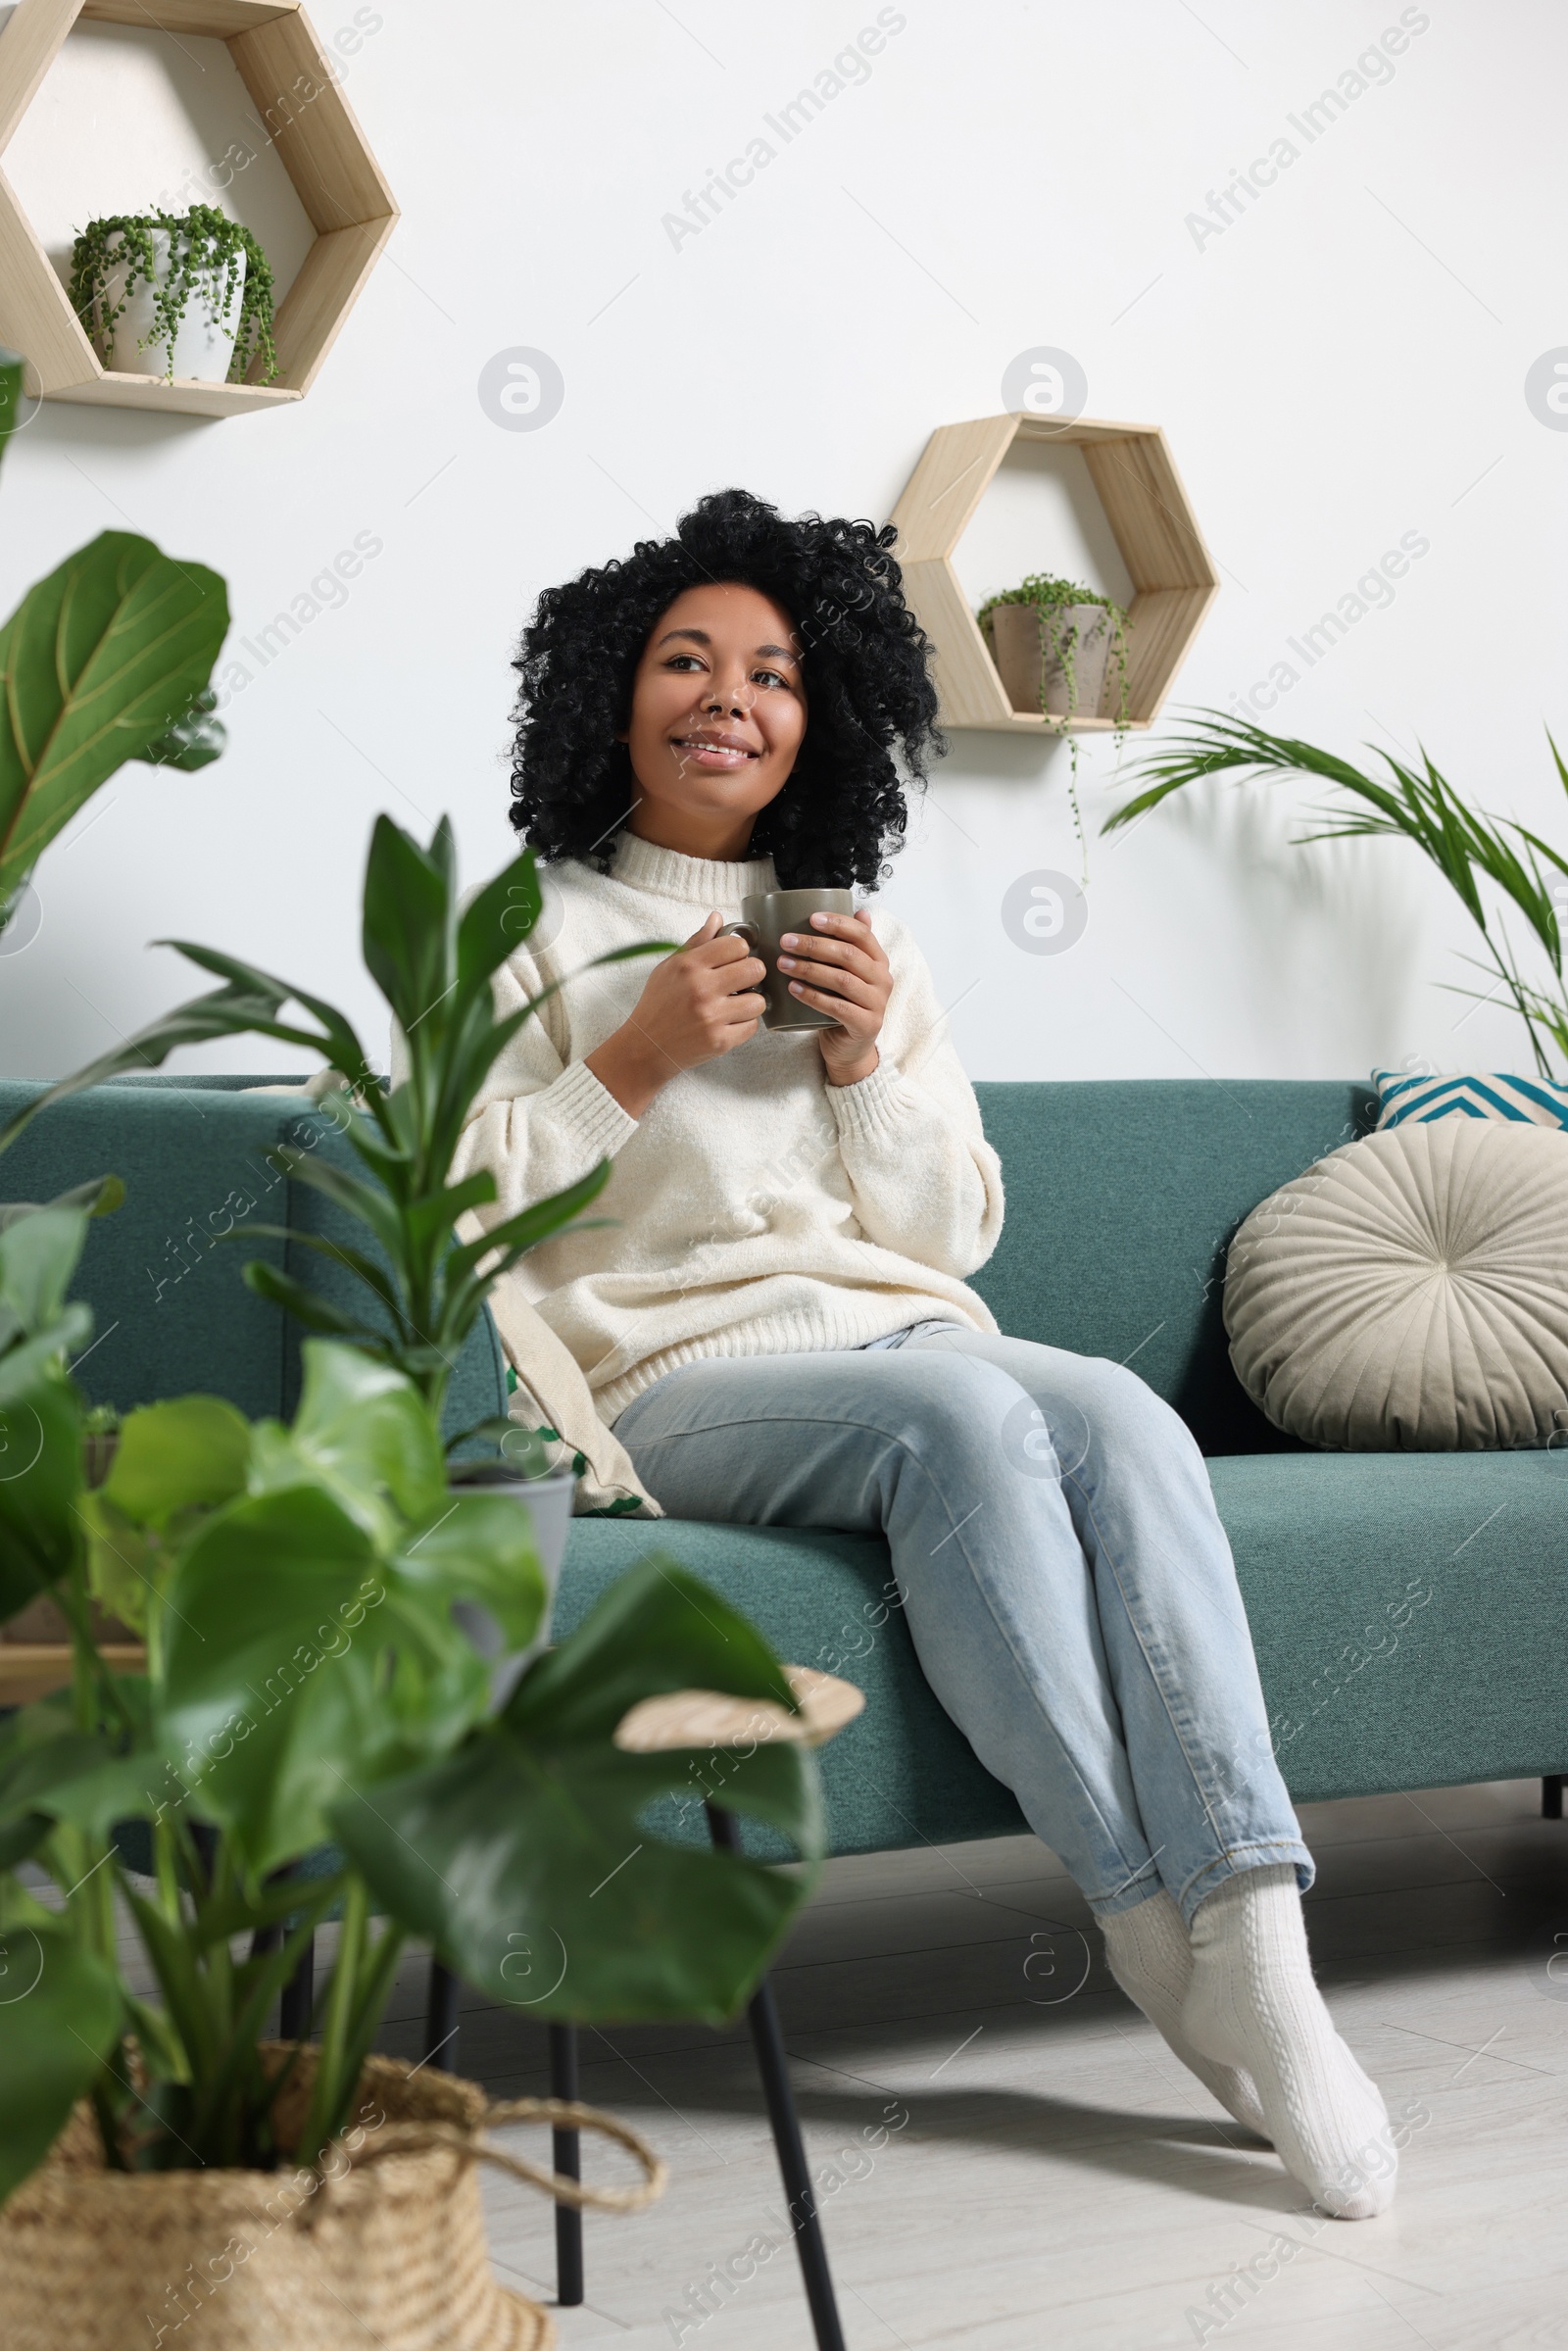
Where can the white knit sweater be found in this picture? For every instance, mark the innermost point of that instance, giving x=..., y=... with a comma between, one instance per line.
x=757, y=1209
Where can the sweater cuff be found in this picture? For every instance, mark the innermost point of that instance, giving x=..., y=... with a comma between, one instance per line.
x=872, y=1105
x=589, y=1112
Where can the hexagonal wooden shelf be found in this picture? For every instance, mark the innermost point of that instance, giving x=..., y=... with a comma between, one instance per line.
x=319, y=143
x=1173, y=575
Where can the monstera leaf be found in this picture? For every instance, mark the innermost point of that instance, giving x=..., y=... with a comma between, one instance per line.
x=101, y=661
x=525, y=1857
x=60, y=2009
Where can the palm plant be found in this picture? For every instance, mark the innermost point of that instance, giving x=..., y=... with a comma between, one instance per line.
x=1467, y=847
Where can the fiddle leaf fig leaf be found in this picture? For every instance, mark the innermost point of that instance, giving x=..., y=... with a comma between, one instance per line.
x=100, y=659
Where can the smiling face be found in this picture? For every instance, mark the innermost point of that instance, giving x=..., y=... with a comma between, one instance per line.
x=718, y=716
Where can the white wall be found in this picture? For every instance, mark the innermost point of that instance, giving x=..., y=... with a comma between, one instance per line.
x=1342, y=365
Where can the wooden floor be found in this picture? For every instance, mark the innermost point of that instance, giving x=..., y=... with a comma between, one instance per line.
x=1050, y=2179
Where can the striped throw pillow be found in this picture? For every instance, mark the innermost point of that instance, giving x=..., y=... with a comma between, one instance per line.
x=1526, y=1101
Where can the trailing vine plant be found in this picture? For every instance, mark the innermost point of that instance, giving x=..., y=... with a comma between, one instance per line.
x=205, y=246
x=1053, y=597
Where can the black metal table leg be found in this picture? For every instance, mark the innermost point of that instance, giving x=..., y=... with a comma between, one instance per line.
x=566, y=2148
x=1551, y=1797
x=441, y=2019
x=772, y=2062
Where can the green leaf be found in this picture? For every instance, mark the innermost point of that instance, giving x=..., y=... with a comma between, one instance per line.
x=98, y=659
x=192, y=742
x=28, y=1362
x=525, y=1856
x=408, y=924
x=59, y=2018
x=297, y=1665
x=13, y=370
x=481, y=1548
x=38, y=1255
x=498, y=920
x=77, y=1776
x=514, y=1235
x=40, y=1487
x=362, y=1431
x=304, y=1305
x=99, y=1197
x=1466, y=846
x=530, y=1865
x=191, y=1452
x=126, y=1563
x=658, y=1629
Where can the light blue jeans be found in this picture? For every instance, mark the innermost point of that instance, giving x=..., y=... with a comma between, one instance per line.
x=1065, y=1574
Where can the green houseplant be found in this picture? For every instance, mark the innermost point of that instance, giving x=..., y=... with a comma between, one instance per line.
x=1413, y=802
x=106, y=659
x=424, y=1289
x=308, y=1681
x=152, y=270
x=1055, y=642
x=1057, y=657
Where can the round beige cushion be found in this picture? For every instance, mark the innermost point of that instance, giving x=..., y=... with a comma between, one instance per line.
x=1410, y=1292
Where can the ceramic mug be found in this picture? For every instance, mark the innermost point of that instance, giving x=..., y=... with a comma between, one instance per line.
x=764, y=921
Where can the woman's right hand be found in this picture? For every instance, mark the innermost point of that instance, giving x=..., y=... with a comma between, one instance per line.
x=699, y=1004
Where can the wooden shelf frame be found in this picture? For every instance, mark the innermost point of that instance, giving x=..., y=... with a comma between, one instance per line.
x=1151, y=518
x=319, y=143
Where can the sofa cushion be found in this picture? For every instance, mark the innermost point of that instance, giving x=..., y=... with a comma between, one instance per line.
x=1123, y=1197
x=1485, y=1094
x=1459, y=1556
x=1411, y=1292
x=1409, y=1612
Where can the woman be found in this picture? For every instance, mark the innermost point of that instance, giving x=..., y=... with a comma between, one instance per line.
x=778, y=1324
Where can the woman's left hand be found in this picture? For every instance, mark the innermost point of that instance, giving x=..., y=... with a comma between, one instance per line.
x=839, y=967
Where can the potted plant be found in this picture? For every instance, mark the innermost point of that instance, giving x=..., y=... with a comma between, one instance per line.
x=423, y=1288
x=1053, y=641
x=188, y=294
x=306, y=1680
x=106, y=659
x=1418, y=803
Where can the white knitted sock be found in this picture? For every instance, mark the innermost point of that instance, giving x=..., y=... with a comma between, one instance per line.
x=1152, y=1959
x=1252, y=2002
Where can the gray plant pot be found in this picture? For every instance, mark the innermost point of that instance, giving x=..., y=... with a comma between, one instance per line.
x=1021, y=648
x=548, y=1502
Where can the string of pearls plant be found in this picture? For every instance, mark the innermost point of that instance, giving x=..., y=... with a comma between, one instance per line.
x=1053, y=597
x=204, y=253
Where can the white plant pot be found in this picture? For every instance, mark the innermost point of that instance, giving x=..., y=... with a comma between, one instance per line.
x=204, y=342
x=548, y=1502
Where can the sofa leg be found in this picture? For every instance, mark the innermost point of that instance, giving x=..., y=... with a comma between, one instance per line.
x=1551, y=1797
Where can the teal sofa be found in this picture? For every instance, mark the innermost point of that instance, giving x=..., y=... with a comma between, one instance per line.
x=1409, y=1611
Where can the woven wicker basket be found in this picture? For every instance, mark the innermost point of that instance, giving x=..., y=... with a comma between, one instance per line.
x=383, y=2245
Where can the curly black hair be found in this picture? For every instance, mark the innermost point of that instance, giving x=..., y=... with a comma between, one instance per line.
x=864, y=664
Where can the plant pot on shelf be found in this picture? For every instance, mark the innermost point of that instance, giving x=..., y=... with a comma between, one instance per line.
x=384, y=2244
x=1032, y=646
x=548, y=1502
x=204, y=341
